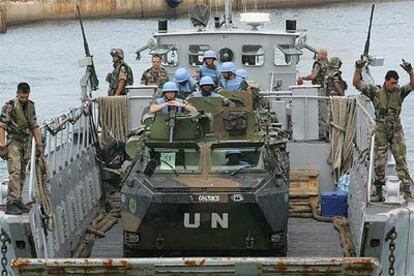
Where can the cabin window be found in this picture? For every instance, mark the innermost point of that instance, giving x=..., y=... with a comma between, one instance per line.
x=252, y=55
x=196, y=53
x=180, y=160
x=168, y=54
x=229, y=160
x=226, y=55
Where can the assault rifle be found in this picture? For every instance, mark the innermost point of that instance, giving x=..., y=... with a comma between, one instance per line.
x=89, y=58
x=172, y=119
x=369, y=60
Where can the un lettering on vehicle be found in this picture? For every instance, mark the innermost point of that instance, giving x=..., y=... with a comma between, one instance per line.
x=193, y=221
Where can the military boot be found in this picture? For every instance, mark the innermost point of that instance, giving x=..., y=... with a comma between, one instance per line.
x=13, y=209
x=23, y=207
x=406, y=189
x=378, y=195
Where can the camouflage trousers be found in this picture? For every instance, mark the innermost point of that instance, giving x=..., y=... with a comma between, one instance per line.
x=396, y=142
x=17, y=160
x=323, y=114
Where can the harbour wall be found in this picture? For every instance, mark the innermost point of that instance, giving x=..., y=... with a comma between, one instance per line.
x=17, y=12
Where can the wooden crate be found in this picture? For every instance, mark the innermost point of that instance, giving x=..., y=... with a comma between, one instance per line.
x=304, y=183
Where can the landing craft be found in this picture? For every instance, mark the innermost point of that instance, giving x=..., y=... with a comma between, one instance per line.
x=179, y=198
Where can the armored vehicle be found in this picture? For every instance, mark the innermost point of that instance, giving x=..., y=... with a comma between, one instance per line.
x=214, y=183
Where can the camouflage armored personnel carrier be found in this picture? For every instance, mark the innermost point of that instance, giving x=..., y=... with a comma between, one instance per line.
x=213, y=183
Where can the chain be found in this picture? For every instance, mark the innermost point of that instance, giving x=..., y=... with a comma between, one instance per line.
x=4, y=239
x=391, y=236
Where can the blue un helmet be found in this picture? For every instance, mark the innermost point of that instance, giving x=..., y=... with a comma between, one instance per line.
x=206, y=81
x=227, y=67
x=241, y=73
x=181, y=75
x=209, y=54
x=169, y=86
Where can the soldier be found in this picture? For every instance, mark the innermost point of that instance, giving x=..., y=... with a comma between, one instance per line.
x=209, y=68
x=206, y=88
x=168, y=99
x=18, y=118
x=121, y=76
x=335, y=85
x=184, y=82
x=156, y=75
x=387, y=101
x=234, y=158
x=230, y=81
x=317, y=76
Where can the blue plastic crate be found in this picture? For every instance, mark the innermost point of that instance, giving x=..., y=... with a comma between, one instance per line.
x=334, y=204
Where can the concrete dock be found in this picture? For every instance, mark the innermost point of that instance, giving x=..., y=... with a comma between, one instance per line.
x=17, y=12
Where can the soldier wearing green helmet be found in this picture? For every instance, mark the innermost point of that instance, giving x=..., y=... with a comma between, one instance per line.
x=335, y=84
x=121, y=76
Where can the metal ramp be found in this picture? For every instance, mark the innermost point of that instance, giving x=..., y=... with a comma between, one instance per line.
x=307, y=238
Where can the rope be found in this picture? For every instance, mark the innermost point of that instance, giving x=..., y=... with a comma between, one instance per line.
x=42, y=192
x=340, y=224
x=102, y=223
x=113, y=117
x=342, y=131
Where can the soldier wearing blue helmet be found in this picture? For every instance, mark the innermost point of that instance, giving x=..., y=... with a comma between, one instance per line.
x=242, y=73
x=185, y=83
x=168, y=99
x=230, y=81
x=209, y=68
x=206, y=88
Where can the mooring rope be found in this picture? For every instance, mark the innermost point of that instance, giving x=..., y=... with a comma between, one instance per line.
x=113, y=118
x=342, y=131
x=42, y=193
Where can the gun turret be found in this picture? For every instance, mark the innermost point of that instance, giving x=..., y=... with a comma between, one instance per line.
x=172, y=120
x=90, y=65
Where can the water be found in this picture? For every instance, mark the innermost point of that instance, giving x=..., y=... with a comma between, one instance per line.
x=46, y=54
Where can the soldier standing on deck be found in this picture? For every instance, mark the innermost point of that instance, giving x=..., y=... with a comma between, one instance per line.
x=18, y=118
x=387, y=101
x=335, y=84
x=156, y=75
x=121, y=76
x=317, y=76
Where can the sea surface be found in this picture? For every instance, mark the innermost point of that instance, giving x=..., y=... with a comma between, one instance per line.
x=46, y=54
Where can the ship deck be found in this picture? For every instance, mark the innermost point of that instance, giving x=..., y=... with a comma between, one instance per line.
x=307, y=238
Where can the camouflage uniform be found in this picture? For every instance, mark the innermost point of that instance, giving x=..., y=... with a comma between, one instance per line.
x=319, y=69
x=388, y=130
x=18, y=120
x=155, y=77
x=334, y=76
x=121, y=72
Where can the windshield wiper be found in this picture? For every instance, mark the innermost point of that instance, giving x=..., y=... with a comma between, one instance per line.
x=240, y=169
x=171, y=167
